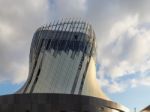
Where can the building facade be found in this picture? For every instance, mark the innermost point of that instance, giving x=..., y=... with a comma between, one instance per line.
x=63, y=63
x=146, y=109
x=62, y=60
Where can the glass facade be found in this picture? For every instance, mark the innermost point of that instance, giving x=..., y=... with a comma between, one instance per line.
x=62, y=61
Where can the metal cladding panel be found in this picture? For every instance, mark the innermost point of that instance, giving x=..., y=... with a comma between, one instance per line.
x=56, y=103
x=59, y=58
x=90, y=85
x=62, y=60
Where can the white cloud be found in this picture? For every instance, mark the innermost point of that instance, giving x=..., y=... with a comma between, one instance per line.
x=120, y=27
x=72, y=5
x=142, y=81
x=122, y=35
x=6, y=31
x=116, y=87
x=14, y=72
x=68, y=8
x=126, y=51
x=17, y=26
x=20, y=71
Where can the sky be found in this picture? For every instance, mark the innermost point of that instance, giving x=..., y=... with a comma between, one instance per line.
x=122, y=29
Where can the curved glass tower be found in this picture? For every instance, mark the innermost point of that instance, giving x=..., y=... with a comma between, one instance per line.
x=62, y=60
x=63, y=67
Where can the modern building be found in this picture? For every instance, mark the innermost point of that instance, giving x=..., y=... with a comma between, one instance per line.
x=62, y=73
x=146, y=109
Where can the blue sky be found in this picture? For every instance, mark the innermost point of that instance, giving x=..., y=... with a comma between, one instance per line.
x=122, y=29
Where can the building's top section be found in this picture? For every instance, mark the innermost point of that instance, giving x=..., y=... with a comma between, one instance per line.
x=63, y=35
x=69, y=26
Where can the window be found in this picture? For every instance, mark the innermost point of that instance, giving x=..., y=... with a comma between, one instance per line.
x=76, y=37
